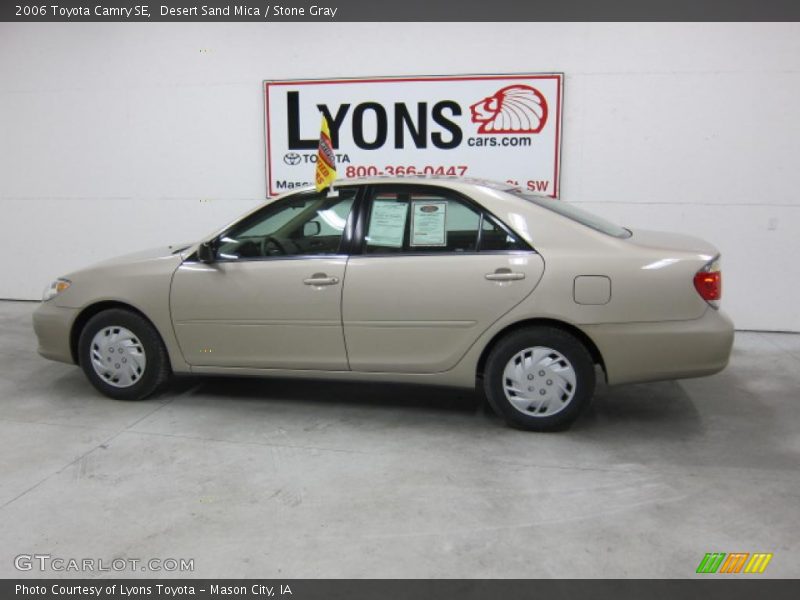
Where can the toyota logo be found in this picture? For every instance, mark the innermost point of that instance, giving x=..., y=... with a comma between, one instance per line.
x=292, y=158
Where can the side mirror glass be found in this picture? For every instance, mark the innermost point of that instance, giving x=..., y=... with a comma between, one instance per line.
x=206, y=253
x=311, y=228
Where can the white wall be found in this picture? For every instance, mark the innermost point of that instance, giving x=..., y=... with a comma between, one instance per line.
x=122, y=136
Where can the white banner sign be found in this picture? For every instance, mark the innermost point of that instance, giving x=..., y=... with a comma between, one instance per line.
x=501, y=127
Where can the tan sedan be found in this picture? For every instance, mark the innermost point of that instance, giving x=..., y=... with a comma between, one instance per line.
x=431, y=281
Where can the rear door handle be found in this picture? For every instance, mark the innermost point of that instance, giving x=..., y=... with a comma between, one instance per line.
x=321, y=279
x=504, y=274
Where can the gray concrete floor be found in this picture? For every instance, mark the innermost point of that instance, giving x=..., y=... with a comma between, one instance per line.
x=260, y=478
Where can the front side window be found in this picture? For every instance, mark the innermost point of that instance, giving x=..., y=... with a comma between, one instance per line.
x=305, y=224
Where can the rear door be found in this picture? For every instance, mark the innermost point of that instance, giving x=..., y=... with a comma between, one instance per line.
x=433, y=272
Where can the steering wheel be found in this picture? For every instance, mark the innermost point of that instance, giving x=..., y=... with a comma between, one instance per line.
x=265, y=251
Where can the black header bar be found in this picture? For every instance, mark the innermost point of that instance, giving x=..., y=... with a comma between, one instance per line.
x=253, y=11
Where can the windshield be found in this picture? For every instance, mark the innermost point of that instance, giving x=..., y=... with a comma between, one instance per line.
x=584, y=217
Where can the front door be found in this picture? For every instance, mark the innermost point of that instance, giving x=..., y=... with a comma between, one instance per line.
x=272, y=299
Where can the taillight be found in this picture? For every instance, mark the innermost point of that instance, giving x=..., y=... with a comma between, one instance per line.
x=708, y=283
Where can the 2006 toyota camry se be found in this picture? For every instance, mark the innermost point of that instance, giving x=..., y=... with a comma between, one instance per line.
x=436, y=281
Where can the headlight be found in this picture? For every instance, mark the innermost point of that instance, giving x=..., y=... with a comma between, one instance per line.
x=55, y=288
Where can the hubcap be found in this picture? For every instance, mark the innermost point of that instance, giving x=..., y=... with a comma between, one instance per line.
x=118, y=356
x=539, y=381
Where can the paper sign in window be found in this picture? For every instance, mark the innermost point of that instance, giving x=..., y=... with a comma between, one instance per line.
x=428, y=223
x=387, y=223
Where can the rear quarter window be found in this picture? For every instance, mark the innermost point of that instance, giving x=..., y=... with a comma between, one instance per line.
x=570, y=211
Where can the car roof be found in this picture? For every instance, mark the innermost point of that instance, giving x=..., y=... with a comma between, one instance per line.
x=443, y=180
x=412, y=179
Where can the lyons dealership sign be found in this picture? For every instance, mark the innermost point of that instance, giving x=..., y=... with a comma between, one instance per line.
x=501, y=127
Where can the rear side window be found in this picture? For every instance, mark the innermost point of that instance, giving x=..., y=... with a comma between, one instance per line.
x=410, y=222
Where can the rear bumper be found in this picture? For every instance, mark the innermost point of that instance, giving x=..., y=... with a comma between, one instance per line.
x=52, y=325
x=636, y=352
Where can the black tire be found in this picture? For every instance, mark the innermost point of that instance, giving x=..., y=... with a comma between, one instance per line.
x=156, y=370
x=562, y=342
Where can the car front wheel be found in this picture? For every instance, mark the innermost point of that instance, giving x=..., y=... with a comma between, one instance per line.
x=122, y=355
x=539, y=378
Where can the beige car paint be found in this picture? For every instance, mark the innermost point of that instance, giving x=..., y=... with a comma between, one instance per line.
x=260, y=314
x=654, y=326
x=427, y=327
x=139, y=280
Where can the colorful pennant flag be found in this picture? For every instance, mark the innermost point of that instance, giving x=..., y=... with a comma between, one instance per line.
x=326, y=160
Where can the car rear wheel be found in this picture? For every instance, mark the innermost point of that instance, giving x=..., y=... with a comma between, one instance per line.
x=539, y=379
x=122, y=355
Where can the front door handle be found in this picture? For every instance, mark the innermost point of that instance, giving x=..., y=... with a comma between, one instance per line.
x=321, y=279
x=504, y=274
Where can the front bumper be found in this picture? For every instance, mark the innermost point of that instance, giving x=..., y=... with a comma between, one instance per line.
x=637, y=352
x=53, y=325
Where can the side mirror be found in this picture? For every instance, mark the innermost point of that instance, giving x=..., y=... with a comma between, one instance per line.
x=206, y=252
x=311, y=228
